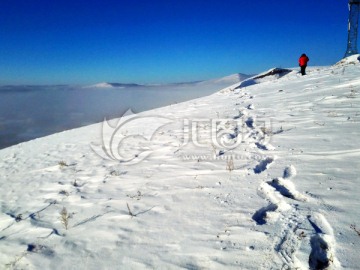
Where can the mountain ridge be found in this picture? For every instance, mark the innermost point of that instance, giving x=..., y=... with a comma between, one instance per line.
x=230, y=79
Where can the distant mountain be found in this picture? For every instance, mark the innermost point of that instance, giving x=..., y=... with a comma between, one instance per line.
x=113, y=85
x=126, y=85
x=227, y=80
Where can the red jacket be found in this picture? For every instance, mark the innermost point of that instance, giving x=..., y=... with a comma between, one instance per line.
x=303, y=60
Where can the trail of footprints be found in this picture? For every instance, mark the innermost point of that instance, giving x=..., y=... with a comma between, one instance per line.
x=284, y=199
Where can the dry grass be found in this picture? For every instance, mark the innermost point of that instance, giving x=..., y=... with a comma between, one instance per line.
x=64, y=218
x=230, y=164
x=63, y=164
x=130, y=213
x=352, y=226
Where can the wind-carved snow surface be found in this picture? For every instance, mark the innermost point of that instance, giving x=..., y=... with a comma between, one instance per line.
x=259, y=177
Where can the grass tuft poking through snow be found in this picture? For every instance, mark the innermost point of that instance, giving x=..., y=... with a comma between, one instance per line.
x=64, y=218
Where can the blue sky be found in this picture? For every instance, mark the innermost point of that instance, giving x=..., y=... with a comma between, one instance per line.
x=143, y=41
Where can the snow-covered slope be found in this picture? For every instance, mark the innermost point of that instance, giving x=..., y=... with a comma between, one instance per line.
x=258, y=177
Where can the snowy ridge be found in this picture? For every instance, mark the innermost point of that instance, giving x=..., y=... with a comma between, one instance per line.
x=227, y=80
x=270, y=181
x=231, y=79
x=270, y=75
x=351, y=60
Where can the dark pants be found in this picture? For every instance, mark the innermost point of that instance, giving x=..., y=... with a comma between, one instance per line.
x=303, y=70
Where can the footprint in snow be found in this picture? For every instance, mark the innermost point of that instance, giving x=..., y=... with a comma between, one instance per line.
x=289, y=172
x=322, y=254
x=287, y=189
x=249, y=122
x=264, y=147
x=263, y=165
x=261, y=215
x=282, y=189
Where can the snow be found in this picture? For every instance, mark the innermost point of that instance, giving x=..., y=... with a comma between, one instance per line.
x=264, y=176
x=100, y=85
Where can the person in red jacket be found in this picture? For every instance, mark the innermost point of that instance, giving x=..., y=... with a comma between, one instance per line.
x=303, y=60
